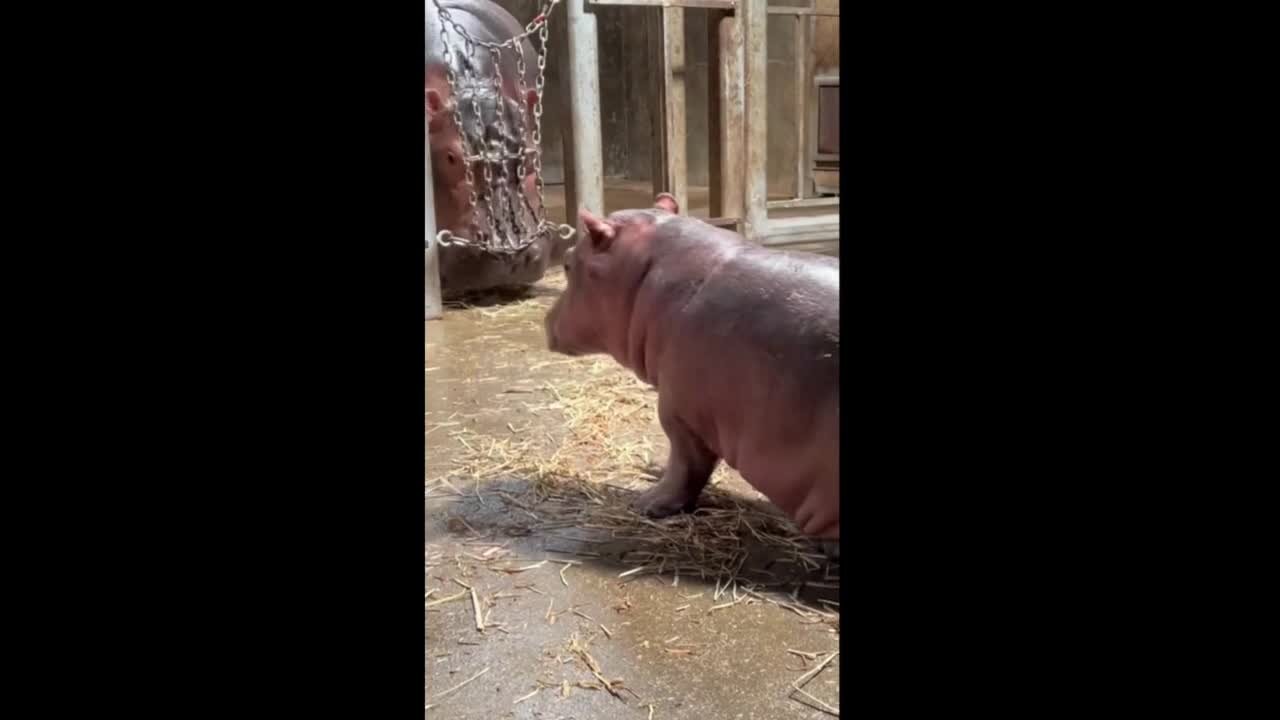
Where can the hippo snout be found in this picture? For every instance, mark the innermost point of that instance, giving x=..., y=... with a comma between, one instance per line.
x=555, y=343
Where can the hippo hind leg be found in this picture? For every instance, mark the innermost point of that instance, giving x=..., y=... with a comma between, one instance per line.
x=689, y=467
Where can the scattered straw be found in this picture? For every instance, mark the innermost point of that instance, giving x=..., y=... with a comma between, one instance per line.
x=584, y=655
x=455, y=688
x=798, y=686
x=526, y=697
x=475, y=604
x=523, y=569
x=442, y=601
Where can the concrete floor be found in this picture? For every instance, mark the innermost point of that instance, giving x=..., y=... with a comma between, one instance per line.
x=677, y=658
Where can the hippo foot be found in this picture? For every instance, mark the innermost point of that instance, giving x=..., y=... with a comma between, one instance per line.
x=661, y=501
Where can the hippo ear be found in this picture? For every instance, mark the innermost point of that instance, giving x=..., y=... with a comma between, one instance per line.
x=667, y=201
x=531, y=99
x=600, y=230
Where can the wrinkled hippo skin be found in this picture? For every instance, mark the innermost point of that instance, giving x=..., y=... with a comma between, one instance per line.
x=741, y=342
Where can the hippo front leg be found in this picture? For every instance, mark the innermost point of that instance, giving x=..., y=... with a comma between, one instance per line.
x=689, y=467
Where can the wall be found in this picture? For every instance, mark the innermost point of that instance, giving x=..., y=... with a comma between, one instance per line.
x=626, y=101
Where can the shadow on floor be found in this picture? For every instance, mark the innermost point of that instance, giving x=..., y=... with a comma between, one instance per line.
x=748, y=531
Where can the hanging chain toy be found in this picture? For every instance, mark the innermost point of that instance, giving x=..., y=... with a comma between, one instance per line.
x=501, y=143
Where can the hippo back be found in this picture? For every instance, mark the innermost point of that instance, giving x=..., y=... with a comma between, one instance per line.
x=485, y=21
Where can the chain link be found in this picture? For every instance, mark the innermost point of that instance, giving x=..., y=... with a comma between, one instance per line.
x=507, y=231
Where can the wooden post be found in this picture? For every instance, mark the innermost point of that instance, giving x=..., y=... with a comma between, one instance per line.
x=811, y=110
x=657, y=106
x=434, y=303
x=803, y=78
x=584, y=107
x=675, y=123
x=715, y=103
x=559, y=40
x=726, y=118
x=754, y=16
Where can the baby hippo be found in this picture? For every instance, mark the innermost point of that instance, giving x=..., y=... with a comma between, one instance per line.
x=741, y=342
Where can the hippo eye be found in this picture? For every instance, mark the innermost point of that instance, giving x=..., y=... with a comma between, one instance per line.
x=453, y=159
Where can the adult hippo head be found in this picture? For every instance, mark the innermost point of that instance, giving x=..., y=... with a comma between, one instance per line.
x=497, y=124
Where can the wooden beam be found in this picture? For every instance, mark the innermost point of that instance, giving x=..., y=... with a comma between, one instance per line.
x=713, y=4
x=559, y=41
x=727, y=117
x=657, y=107
x=715, y=101
x=803, y=59
x=806, y=229
x=675, y=119
x=725, y=222
x=811, y=112
x=755, y=38
x=785, y=10
x=803, y=203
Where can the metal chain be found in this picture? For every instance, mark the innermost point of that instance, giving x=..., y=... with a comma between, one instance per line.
x=537, y=120
x=506, y=235
x=504, y=226
x=526, y=119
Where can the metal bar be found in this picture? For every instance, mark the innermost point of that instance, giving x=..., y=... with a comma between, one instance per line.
x=675, y=123
x=731, y=120
x=713, y=4
x=584, y=105
x=801, y=203
x=755, y=39
x=802, y=103
x=781, y=10
x=434, y=302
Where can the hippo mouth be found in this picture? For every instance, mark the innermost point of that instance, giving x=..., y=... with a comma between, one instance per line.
x=560, y=348
x=554, y=343
x=564, y=350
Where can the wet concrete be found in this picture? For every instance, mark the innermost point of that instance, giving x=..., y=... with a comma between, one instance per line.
x=488, y=371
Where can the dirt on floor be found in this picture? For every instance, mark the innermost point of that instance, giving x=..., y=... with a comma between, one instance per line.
x=547, y=598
